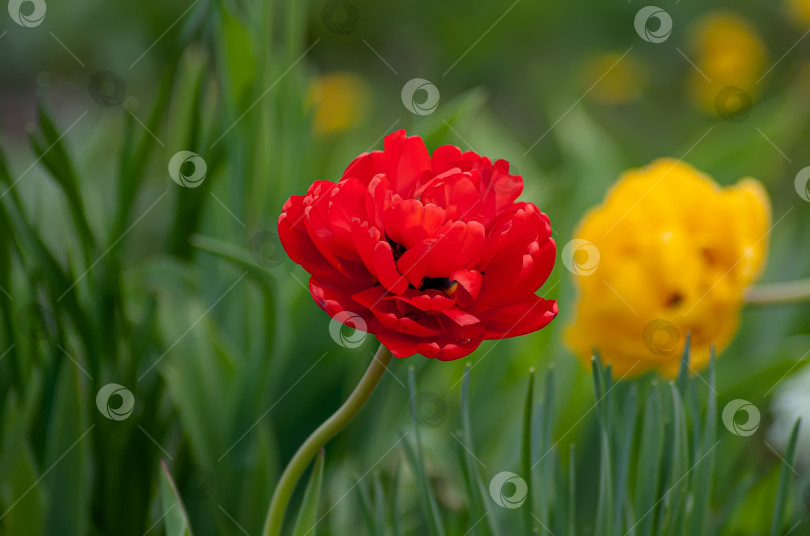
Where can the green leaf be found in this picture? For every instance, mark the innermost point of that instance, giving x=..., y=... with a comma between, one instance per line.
x=704, y=477
x=22, y=501
x=426, y=497
x=175, y=519
x=649, y=473
x=67, y=456
x=237, y=61
x=526, y=447
x=674, y=503
x=308, y=513
x=784, y=482
x=480, y=505
x=624, y=443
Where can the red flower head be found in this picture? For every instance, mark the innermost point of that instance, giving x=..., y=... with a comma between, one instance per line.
x=432, y=252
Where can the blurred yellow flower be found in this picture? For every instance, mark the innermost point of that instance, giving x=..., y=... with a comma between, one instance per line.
x=340, y=100
x=621, y=79
x=800, y=10
x=729, y=54
x=668, y=253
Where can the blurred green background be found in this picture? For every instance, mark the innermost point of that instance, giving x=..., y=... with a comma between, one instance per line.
x=113, y=273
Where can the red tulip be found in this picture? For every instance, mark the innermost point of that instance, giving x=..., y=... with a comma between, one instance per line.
x=432, y=252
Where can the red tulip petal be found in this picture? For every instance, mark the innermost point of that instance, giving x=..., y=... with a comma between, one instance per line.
x=334, y=300
x=469, y=285
x=407, y=161
x=383, y=258
x=462, y=318
x=365, y=167
x=407, y=221
x=526, y=316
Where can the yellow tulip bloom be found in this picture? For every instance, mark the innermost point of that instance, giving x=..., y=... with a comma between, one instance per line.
x=341, y=101
x=729, y=54
x=669, y=252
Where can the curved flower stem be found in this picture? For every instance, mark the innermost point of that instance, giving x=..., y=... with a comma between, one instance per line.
x=775, y=293
x=326, y=431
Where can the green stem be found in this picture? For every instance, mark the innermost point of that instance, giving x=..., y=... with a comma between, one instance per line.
x=775, y=293
x=326, y=431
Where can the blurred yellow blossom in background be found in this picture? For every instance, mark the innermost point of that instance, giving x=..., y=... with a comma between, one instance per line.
x=341, y=101
x=799, y=10
x=729, y=54
x=621, y=79
x=669, y=252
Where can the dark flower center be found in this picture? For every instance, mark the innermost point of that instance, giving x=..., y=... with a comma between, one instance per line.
x=398, y=249
x=439, y=283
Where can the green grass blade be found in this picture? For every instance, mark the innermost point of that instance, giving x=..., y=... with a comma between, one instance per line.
x=674, y=503
x=175, y=518
x=526, y=449
x=705, y=471
x=784, y=482
x=572, y=492
x=308, y=513
x=427, y=498
x=624, y=444
x=649, y=474
x=481, y=506
x=366, y=504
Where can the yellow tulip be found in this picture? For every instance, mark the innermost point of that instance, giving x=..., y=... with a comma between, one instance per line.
x=729, y=54
x=340, y=101
x=621, y=79
x=669, y=252
x=799, y=11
